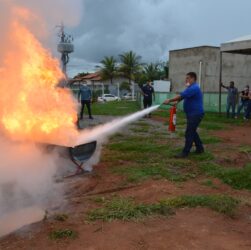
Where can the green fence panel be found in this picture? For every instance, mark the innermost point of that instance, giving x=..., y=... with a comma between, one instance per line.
x=210, y=100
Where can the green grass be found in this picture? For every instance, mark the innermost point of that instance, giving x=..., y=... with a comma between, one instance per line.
x=208, y=139
x=154, y=171
x=208, y=183
x=139, y=145
x=207, y=156
x=220, y=203
x=205, y=137
x=152, y=156
x=212, y=125
x=140, y=129
x=238, y=178
x=245, y=149
x=63, y=234
x=120, y=108
x=119, y=208
x=146, y=159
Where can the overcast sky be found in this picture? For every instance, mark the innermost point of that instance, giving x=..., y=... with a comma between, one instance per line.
x=153, y=27
x=149, y=27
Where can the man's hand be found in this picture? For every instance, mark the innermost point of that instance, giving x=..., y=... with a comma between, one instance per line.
x=167, y=101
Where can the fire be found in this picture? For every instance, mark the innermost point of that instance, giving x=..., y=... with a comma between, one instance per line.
x=32, y=106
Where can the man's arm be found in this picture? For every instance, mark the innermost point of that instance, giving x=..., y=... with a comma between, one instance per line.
x=223, y=86
x=142, y=91
x=175, y=99
x=90, y=93
x=79, y=94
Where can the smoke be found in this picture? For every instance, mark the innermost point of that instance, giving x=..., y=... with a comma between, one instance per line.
x=100, y=133
x=26, y=180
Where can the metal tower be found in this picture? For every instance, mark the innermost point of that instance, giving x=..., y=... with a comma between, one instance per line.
x=65, y=47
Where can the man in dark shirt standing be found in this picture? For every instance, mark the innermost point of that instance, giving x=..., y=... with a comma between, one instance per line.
x=248, y=110
x=244, y=101
x=232, y=97
x=193, y=107
x=148, y=93
x=85, y=96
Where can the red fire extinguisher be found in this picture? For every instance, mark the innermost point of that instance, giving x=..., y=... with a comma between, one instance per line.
x=172, y=120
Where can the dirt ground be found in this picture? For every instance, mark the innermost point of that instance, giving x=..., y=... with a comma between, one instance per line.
x=189, y=228
x=236, y=135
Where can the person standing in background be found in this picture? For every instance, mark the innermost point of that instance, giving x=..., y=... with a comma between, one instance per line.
x=85, y=97
x=248, y=109
x=244, y=101
x=148, y=94
x=232, y=98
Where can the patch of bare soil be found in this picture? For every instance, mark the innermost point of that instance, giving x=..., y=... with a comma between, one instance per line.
x=240, y=135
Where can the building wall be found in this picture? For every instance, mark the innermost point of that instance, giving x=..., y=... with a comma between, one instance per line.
x=235, y=68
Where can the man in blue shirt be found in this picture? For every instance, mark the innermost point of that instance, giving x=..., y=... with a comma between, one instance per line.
x=85, y=96
x=193, y=107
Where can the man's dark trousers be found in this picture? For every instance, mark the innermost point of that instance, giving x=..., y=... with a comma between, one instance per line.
x=232, y=106
x=88, y=105
x=248, y=110
x=147, y=103
x=191, y=135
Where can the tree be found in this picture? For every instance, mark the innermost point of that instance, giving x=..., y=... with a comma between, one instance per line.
x=164, y=70
x=79, y=75
x=109, y=68
x=152, y=71
x=130, y=65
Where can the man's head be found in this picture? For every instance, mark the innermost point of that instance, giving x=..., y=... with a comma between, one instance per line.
x=84, y=83
x=148, y=82
x=191, y=78
x=247, y=88
x=231, y=84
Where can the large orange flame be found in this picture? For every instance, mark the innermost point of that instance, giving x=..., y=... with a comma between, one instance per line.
x=32, y=107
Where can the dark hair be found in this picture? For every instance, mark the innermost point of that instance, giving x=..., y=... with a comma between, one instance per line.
x=192, y=75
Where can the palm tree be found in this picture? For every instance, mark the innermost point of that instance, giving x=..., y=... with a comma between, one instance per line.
x=109, y=68
x=130, y=65
x=152, y=71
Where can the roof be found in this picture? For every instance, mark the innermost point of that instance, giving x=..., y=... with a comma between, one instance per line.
x=197, y=47
x=241, y=45
x=92, y=76
x=239, y=39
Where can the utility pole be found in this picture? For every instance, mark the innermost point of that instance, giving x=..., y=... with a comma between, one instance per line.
x=65, y=47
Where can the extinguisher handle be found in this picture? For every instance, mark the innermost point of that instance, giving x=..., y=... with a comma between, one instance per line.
x=169, y=104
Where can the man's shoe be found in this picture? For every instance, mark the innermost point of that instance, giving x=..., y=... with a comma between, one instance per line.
x=181, y=156
x=201, y=151
x=91, y=118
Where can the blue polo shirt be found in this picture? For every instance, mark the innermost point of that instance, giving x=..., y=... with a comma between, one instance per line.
x=193, y=100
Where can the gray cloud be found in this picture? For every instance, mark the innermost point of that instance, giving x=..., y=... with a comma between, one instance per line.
x=149, y=27
x=153, y=27
x=111, y=27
